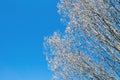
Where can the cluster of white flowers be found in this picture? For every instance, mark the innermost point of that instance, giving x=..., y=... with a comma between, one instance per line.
x=90, y=47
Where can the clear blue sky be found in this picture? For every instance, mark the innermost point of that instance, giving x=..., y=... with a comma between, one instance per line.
x=23, y=25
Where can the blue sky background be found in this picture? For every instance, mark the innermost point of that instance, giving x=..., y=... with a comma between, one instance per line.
x=23, y=25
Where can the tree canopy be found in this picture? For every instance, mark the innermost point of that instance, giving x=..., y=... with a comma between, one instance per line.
x=89, y=49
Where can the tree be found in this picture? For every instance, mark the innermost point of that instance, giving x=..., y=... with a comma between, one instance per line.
x=89, y=49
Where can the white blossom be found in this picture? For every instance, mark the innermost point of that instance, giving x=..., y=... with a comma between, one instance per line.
x=90, y=47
